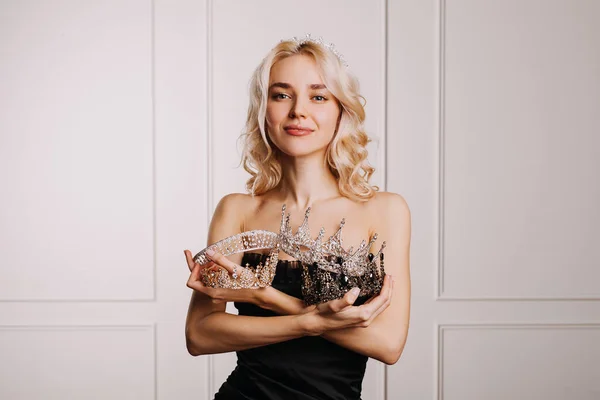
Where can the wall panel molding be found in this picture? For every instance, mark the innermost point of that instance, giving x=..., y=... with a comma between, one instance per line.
x=211, y=385
x=147, y=328
x=440, y=294
x=112, y=299
x=440, y=329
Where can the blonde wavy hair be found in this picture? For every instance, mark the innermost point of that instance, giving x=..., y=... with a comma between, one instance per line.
x=346, y=154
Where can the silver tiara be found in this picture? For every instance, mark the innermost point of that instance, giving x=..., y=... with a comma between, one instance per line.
x=328, y=255
x=329, y=270
x=330, y=46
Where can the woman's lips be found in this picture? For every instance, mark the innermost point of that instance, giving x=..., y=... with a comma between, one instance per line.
x=298, y=132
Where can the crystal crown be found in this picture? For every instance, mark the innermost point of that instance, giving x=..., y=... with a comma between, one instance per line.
x=329, y=270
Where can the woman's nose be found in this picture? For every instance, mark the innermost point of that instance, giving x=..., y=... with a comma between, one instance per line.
x=297, y=110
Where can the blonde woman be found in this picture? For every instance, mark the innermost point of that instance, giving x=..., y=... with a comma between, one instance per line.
x=304, y=146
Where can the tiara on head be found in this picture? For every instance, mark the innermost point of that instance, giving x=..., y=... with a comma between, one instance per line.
x=329, y=270
x=330, y=46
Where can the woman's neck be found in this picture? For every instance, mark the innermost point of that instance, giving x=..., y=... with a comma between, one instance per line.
x=306, y=181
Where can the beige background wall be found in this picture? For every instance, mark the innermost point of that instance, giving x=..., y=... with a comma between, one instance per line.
x=118, y=127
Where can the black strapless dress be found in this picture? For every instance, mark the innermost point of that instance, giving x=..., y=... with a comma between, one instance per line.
x=306, y=368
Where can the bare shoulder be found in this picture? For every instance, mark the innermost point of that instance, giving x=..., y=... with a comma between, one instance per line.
x=384, y=203
x=232, y=200
x=241, y=206
x=228, y=216
x=229, y=205
x=389, y=213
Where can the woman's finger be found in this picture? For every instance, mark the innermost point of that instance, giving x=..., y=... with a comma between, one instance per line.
x=385, y=279
x=388, y=301
x=224, y=262
x=191, y=263
x=193, y=281
x=189, y=259
x=217, y=294
x=340, y=304
x=368, y=309
x=377, y=304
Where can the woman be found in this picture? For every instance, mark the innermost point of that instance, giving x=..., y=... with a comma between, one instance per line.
x=304, y=147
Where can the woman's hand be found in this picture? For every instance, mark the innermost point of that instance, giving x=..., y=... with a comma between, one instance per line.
x=334, y=314
x=266, y=297
x=220, y=295
x=340, y=313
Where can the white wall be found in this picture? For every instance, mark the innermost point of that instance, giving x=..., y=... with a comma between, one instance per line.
x=118, y=127
x=492, y=120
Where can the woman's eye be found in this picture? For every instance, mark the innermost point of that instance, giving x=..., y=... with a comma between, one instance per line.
x=279, y=96
x=320, y=98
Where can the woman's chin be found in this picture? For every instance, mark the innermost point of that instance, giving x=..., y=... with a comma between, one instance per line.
x=299, y=150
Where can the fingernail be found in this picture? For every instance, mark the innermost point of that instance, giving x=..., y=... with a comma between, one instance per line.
x=210, y=253
x=355, y=291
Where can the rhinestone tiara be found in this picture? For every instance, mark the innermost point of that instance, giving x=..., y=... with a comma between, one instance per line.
x=319, y=40
x=329, y=270
x=329, y=255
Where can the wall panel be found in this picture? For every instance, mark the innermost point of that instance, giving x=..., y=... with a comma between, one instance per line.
x=76, y=151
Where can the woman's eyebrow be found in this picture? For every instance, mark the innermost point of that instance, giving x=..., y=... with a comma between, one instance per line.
x=284, y=85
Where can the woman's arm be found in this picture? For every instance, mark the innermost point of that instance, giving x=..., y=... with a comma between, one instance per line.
x=381, y=338
x=209, y=329
x=367, y=339
x=225, y=222
x=220, y=332
x=385, y=337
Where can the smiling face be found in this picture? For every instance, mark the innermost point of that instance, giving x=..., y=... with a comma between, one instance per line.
x=302, y=115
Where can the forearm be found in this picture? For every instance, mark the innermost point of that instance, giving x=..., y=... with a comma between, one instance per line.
x=373, y=341
x=221, y=332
